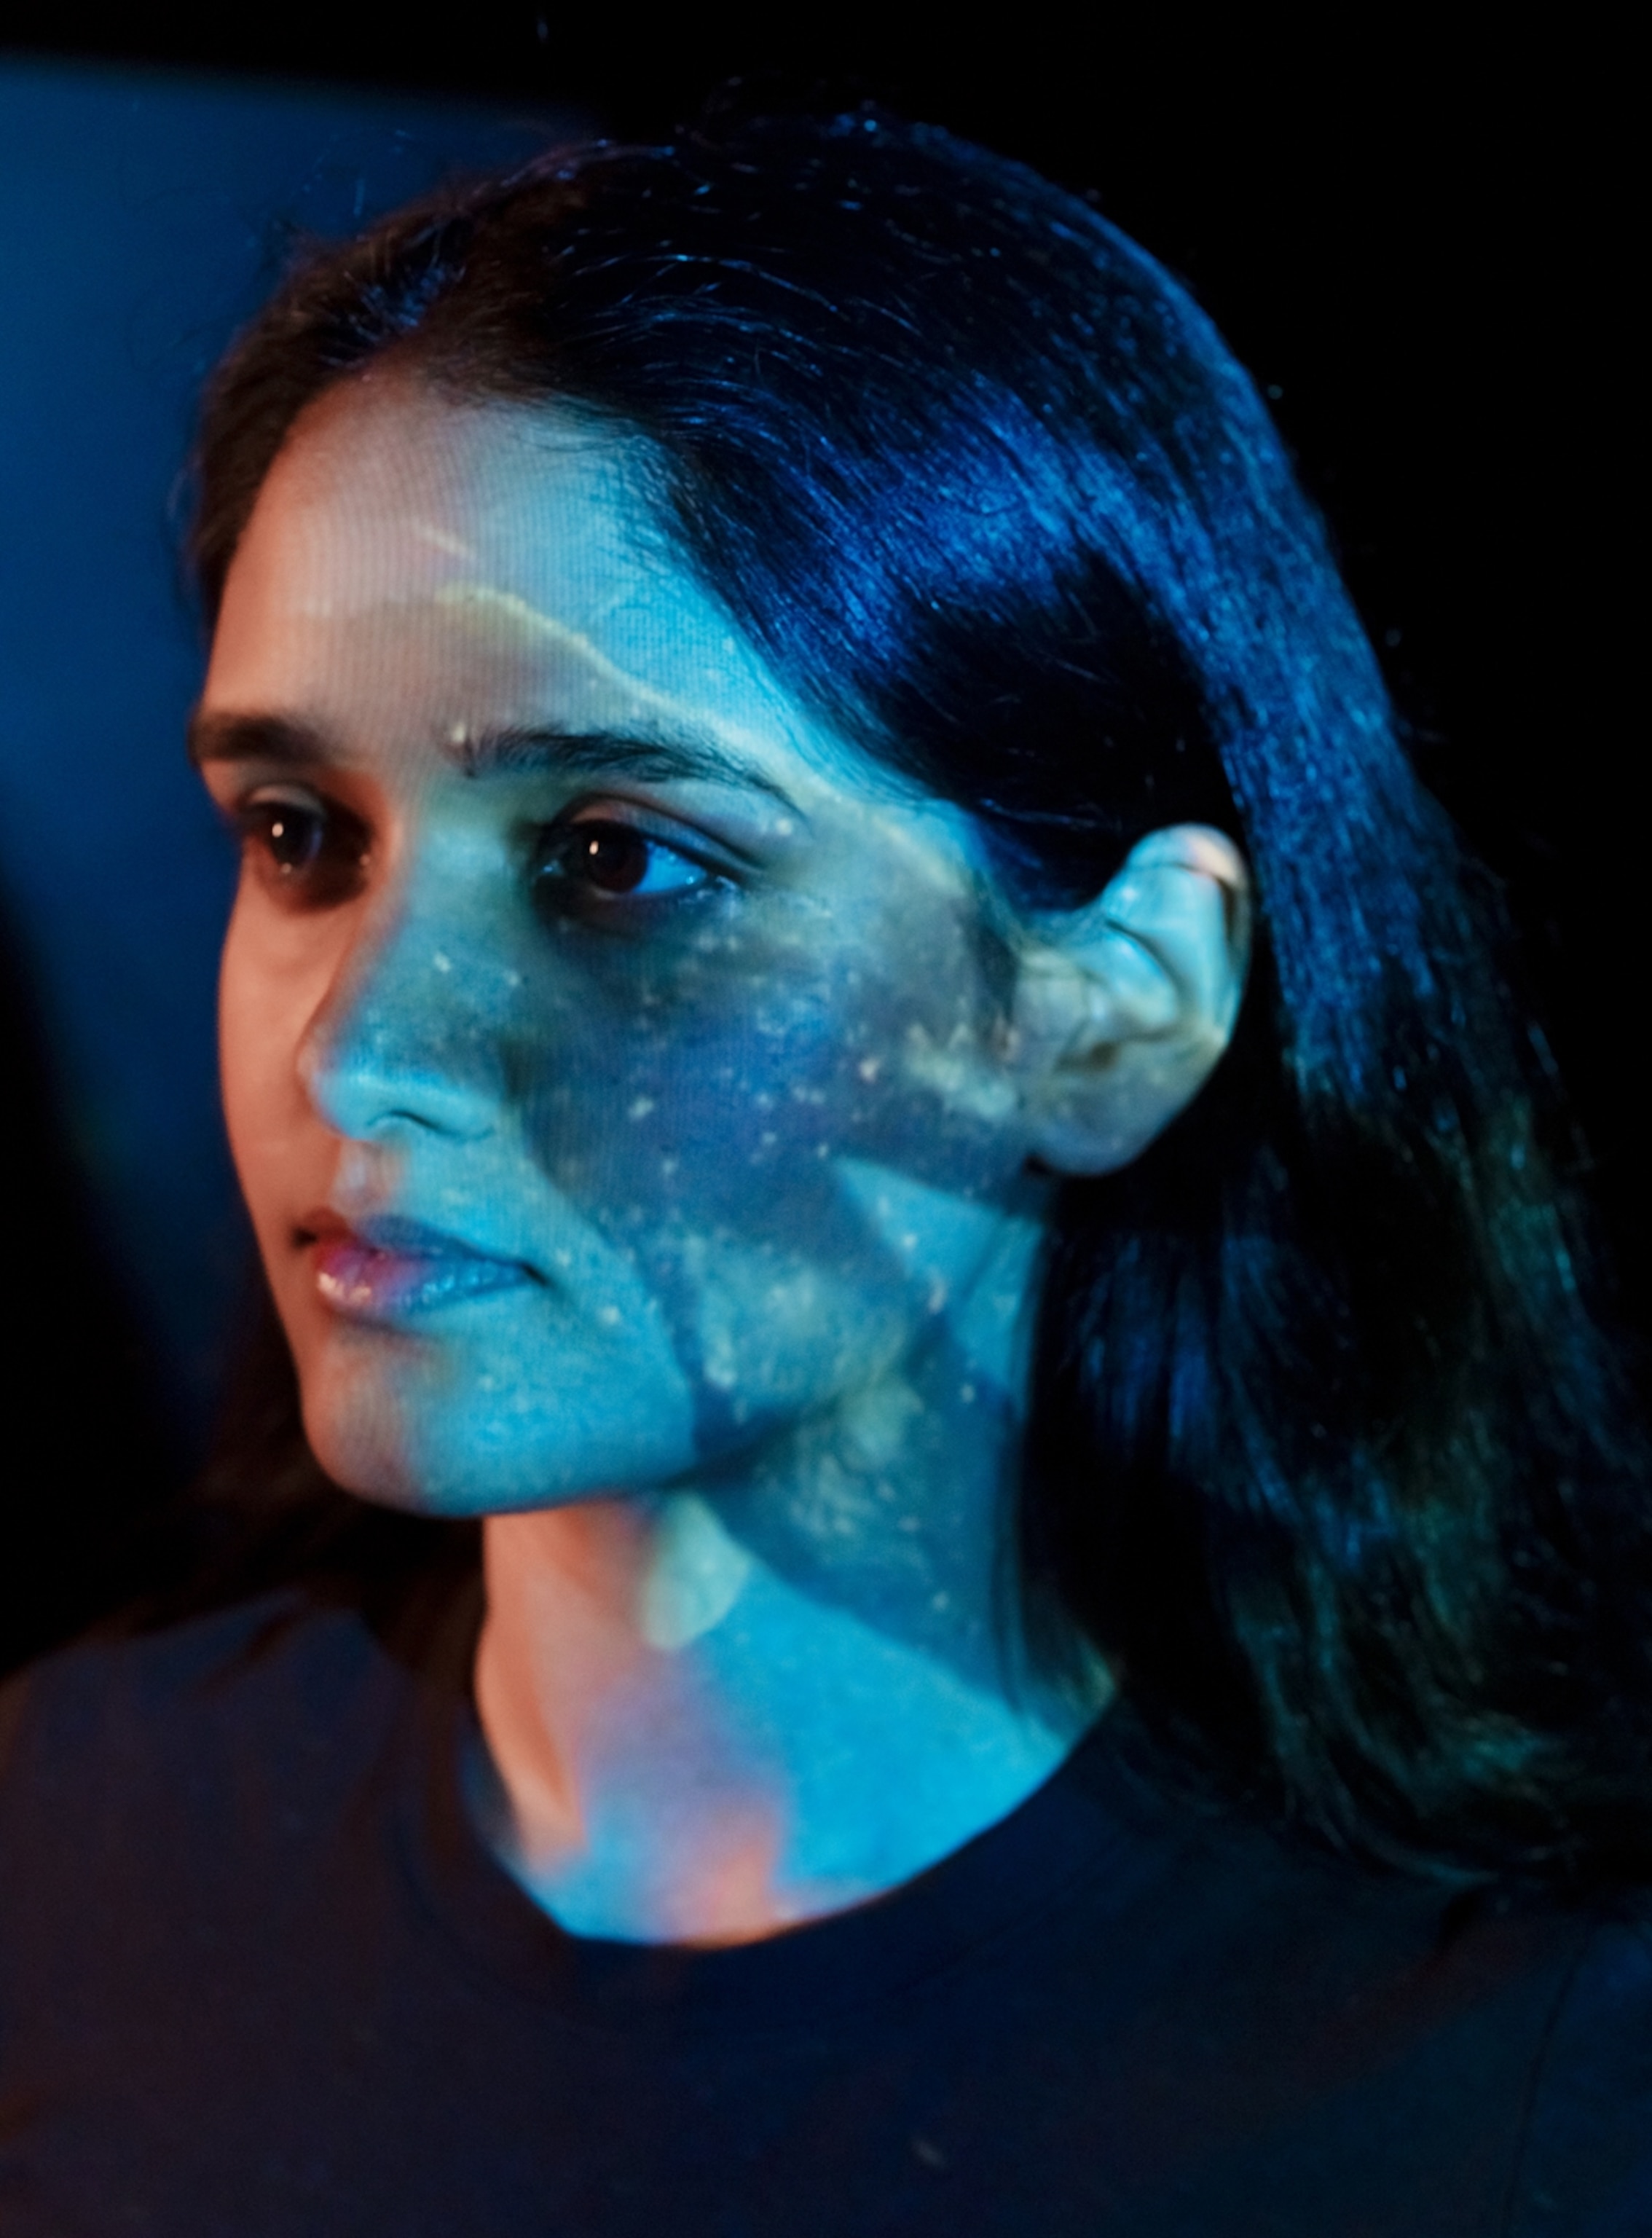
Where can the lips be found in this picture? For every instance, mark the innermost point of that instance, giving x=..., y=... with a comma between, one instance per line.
x=392, y=1269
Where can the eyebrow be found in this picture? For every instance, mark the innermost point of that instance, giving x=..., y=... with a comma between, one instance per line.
x=662, y=757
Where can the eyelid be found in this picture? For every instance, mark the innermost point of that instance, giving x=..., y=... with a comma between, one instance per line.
x=284, y=792
x=293, y=792
x=265, y=791
x=664, y=828
x=342, y=831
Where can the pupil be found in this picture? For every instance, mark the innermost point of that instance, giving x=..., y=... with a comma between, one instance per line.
x=292, y=837
x=616, y=860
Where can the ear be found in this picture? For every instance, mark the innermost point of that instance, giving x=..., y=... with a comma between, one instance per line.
x=1121, y=1010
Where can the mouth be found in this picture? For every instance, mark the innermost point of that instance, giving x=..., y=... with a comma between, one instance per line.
x=390, y=1269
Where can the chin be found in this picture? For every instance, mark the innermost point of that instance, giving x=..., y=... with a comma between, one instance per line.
x=360, y=1446
x=399, y=1434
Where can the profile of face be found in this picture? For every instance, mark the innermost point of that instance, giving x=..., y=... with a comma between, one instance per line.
x=624, y=1070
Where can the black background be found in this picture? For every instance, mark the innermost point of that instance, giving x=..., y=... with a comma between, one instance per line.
x=1412, y=234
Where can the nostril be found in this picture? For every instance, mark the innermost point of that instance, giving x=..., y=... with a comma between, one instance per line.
x=370, y=1089
x=398, y=1046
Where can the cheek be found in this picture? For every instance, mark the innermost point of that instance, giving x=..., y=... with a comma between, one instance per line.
x=271, y=985
x=705, y=1115
x=725, y=1076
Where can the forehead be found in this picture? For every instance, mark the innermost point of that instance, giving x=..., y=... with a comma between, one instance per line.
x=416, y=561
x=386, y=492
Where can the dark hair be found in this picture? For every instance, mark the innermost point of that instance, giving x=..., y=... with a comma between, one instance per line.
x=1325, y=1452
x=85, y=1481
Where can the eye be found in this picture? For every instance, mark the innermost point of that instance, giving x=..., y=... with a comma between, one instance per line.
x=310, y=848
x=584, y=865
x=291, y=832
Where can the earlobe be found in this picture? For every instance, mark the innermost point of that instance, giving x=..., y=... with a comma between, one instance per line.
x=1124, y=1009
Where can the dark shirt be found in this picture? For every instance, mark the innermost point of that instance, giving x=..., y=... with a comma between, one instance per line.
x=257, y=1975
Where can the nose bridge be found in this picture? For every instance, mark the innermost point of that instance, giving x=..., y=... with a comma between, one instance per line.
x=401, y=1039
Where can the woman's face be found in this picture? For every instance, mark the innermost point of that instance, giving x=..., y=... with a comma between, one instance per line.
x=609, y=1053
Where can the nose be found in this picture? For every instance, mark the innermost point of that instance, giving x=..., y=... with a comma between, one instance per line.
x=402, y=1043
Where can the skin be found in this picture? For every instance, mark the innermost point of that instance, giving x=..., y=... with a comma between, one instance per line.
x=648, y=1112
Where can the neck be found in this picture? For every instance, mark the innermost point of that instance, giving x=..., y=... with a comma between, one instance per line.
x=712, y=1712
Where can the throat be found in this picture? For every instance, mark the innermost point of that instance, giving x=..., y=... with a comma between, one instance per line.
x=687, y=1739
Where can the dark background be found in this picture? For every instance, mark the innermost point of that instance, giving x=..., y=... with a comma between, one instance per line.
x=1413, y=236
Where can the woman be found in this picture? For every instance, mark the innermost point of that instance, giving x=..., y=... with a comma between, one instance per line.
x=843, y=1018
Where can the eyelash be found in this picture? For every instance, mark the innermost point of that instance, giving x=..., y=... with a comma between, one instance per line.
x=316, y=853
x=595, y=866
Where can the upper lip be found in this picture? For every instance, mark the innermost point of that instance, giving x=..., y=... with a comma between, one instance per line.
x=393, y=1232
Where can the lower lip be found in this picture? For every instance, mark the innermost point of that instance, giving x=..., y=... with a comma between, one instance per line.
x=365, y=1284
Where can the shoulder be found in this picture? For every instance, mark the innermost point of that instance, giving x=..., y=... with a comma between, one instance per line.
x=115, y=1747
x=1587, y=2164
x=198, y=1844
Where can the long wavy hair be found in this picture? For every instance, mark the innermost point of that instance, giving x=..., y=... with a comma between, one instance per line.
x=1325, y=1452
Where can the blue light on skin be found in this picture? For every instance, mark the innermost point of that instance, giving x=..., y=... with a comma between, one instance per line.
x=646, y=1108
